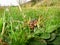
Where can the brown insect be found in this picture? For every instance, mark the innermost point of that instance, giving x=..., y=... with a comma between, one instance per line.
x=32, y=23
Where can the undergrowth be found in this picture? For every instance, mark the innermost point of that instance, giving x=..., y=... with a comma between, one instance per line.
x=18, y=32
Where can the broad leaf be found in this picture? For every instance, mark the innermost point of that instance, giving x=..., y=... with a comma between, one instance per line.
x=37, y=42
x=45, y=35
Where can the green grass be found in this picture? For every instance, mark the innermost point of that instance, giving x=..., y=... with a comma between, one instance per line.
x=18, y=32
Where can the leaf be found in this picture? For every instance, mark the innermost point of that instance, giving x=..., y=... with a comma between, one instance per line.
x=37, y=42
x=58, y=31
x=51, y=28
x=45, y=35
x=53, y=36
x=1, y=22
x=57, y=41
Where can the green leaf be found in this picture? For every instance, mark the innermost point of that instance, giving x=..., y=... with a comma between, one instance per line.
x=51, y=28
x=37, y=42
x=53, y=36
x=57, y=41
x=1, y=22
x=45, y=35
x=58, y=31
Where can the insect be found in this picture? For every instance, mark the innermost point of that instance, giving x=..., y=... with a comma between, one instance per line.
x=32, y=23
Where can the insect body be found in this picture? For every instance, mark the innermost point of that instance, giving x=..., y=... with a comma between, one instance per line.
x=32, y=23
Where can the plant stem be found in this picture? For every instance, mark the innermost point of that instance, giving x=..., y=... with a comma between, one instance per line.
x=3, y=24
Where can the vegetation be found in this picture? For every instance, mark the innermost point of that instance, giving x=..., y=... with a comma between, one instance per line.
x=17, y=30
x=36, y=25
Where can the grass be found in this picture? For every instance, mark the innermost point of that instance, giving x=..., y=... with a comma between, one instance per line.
x=17, y=30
